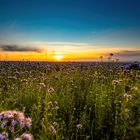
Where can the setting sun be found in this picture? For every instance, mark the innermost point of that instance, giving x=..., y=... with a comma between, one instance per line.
x=58, y=57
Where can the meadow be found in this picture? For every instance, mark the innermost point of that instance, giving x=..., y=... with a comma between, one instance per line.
x=72, y=101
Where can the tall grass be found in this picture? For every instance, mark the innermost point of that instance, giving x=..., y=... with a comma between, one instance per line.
x=73, y=101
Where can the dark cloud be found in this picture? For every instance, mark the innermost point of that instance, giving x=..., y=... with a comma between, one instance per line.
x=16, y=48
x=128, y=53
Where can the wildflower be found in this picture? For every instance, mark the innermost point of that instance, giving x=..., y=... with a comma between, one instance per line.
x=127, y=116
x=56, y=107
x=74, y=108
x=138, y=77
x=26, y=136
x=24, y=108
x=120, y=80
x=126, y=110
x=55, y=102
x=127, y=97
x=79, y=126
x=22, y=124
x=1, y=116
x=49, y=114
x=11, y=128
x=4, y=123
x=135, y=88
x=42, y=85
x=28, y=122
x=50, y=90
x=115, y=82
x=55, y=124
x=7, y=115
x=3, y=137
x=50, y=104
x=14, y=122
x=52, y=129
x=12, y=78
x=14, y=118
x=24, y=81
x=18, y=139
x=87, y=137
x=17, y=73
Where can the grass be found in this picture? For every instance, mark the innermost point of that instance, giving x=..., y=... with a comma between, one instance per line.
x=73, y=101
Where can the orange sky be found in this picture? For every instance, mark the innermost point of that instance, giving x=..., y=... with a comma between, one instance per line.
x=45, y=57
x=66, y=51
x=74, y=54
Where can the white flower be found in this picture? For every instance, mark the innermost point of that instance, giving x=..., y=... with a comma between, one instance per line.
x=79, y=126
x=126, y=110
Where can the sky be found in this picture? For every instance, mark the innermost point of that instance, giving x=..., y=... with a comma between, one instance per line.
x=69, y=30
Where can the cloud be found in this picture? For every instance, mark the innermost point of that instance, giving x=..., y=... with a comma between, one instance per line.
x=129, y=53
x=62, y=43
x=17, y=48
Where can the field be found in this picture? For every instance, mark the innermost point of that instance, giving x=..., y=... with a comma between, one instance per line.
x=73, y=101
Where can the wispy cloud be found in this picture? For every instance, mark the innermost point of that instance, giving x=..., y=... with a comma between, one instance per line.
x=62, y=43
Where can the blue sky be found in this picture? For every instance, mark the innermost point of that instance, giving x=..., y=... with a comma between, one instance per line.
x=104, y=23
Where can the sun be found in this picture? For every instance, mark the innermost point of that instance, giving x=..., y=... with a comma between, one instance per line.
x=58, y=57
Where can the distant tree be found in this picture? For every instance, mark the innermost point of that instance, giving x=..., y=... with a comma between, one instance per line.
x=110, y=56
x=101, y=57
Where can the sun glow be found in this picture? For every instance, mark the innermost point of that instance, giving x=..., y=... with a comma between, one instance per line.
x=58, y=57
